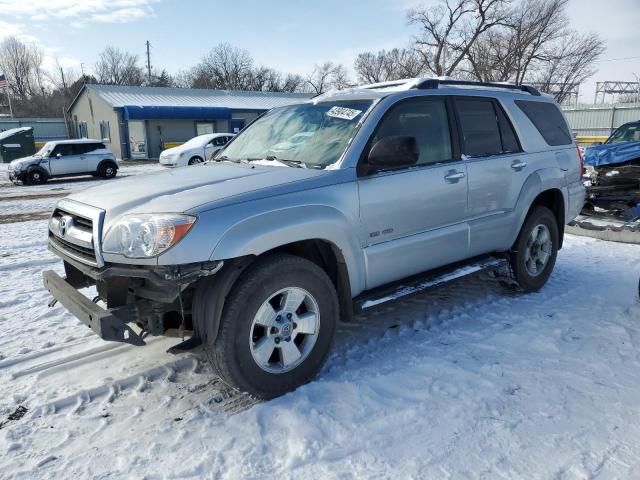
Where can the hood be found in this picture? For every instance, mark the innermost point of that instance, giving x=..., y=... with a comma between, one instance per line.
x=24, y=161
x=190, y=189
x=611, y=154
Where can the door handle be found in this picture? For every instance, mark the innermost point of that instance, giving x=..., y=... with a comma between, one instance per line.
x=453, y=176
x=518, y=165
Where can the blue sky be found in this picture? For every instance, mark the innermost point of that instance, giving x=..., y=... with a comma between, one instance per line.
x=291, y=36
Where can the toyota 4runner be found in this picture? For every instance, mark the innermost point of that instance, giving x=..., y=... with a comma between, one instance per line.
x=386, y=190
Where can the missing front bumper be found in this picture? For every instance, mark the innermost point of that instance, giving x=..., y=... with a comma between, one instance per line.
x=104, y=323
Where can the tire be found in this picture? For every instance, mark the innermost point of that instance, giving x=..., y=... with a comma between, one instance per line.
x=107, y=170
x=195, y=160
x=536, y=249
x=241, y=341
x=36, y=177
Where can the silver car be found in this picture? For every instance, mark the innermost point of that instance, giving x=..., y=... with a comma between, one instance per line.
x=64, y=158
x=392, y=188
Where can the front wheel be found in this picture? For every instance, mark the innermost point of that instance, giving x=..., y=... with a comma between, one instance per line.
x=195, y=160
x=36, y=177
x=277, y=326
x=534, y=254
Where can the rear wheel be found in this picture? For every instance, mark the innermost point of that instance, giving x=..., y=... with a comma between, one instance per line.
x=195, y=160
x=277, y=326
x=36, y=177
x=107, y=170
x=534, y=254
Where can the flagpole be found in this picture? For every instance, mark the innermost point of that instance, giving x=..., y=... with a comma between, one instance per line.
x=6, y=91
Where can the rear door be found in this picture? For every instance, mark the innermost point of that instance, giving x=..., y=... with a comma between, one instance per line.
x=92, y=155
x=413, y=219
x=63, y=160
x=497, y=169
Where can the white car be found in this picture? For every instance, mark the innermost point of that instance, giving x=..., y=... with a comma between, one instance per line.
x=64, y=158
x=197, y=150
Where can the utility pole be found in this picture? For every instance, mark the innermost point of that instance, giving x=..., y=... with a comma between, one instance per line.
x=148, y=62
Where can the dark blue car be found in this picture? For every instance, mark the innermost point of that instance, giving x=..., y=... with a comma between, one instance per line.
x=621, y=147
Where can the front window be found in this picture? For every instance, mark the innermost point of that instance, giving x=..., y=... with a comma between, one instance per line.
x=315, y=135
x=626, y=133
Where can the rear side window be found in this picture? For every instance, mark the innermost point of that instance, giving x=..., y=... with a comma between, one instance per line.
x=548, y=120
x=479, y=128
x=485, y=128
x=80, y=148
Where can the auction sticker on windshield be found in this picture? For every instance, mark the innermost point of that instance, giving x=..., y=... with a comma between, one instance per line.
x=343, y=112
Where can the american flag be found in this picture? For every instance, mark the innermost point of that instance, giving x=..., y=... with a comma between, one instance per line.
x=3, y=81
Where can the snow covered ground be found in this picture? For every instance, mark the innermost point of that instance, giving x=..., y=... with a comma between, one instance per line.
x=468, y=380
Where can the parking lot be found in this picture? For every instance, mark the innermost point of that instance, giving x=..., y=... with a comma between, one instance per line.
x=467, y=380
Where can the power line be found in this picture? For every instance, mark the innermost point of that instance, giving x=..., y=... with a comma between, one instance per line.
x=617, y=59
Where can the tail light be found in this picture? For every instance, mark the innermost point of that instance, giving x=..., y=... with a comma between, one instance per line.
x=581, y=173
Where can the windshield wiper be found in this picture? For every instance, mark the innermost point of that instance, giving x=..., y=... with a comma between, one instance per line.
x=291, y=163
x=224, y=158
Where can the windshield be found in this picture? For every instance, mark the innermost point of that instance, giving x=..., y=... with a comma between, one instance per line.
x=45, y=150
x=312, y=134
x=626, y=133
x=197, y=141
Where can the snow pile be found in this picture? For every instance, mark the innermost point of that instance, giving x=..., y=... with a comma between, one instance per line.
x=468, y=380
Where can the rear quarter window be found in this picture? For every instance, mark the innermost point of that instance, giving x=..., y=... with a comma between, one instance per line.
x=548, y=120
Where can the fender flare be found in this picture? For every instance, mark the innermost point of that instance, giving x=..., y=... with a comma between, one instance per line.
x=536, y=183
x=272, y=229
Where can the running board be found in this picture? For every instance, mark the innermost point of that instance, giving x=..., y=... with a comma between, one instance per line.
x=423, y=282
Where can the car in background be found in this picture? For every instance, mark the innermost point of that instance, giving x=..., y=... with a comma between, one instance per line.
x=64, y=158
x=197, y=150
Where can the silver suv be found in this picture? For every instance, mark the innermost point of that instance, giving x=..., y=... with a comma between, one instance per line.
x=64, y=158
x=319, y=210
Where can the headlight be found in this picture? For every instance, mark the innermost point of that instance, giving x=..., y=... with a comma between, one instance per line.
x=143, y=236
x=17, y=167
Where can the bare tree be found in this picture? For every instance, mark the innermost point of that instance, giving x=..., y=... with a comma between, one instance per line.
x=225, y=67
x=21, y=63
x=510, y=52
x=571, y=62
x=115, y=67
x=449, y=30
x=326, y=76
x=385, y=65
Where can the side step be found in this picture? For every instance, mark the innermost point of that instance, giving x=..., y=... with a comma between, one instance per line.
x=422, y=282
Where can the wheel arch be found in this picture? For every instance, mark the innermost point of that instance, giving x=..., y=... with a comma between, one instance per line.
x=37, y=168
x=104, y=161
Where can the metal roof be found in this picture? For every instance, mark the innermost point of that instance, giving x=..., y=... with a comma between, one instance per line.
x=119, y=96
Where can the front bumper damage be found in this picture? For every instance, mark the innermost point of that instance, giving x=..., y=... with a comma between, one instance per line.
x=148, y=297
x=103, y=322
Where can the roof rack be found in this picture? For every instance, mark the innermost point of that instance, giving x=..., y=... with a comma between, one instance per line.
x=434, y=83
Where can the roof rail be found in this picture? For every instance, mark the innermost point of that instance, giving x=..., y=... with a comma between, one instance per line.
x=434, y=83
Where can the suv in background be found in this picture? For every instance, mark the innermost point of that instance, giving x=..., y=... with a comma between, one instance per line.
x=64, y=158
x=393, y=188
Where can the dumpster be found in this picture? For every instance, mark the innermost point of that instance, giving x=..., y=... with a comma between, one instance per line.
x=16, y=143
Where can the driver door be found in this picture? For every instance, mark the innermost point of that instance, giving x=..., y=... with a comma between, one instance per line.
x=67, y=162
x=414, y=219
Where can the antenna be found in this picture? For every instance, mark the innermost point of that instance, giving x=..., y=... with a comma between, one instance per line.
x=148, y=62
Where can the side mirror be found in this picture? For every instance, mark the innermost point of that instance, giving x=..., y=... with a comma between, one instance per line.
x=58, y=155
x=394, y=151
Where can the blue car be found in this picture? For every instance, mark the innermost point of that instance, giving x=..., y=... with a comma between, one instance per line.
x=621, y=147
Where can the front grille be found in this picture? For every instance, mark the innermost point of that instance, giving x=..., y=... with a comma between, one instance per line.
x=81, y=222
x=75, y=241
x=86, y=254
